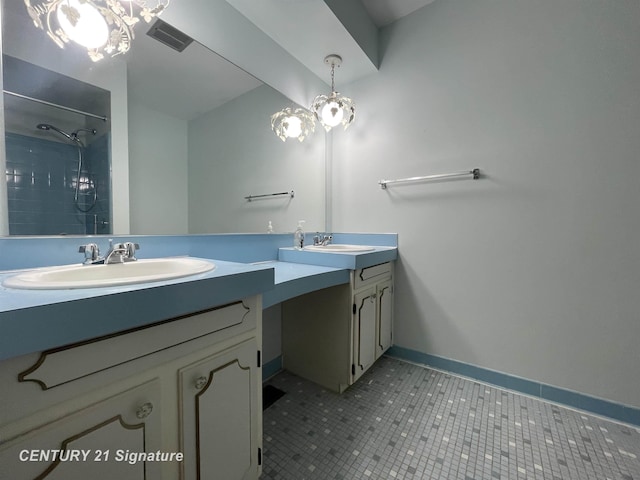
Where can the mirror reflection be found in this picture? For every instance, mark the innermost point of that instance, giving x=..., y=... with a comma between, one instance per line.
x=57, y=156
x=180, y=139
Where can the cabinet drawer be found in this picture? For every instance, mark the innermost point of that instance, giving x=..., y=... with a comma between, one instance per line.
x=367, y=276
x=59, y=366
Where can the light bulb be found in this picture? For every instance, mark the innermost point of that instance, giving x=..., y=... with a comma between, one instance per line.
x=332, y=114
x=292, y=126
x=83, y=23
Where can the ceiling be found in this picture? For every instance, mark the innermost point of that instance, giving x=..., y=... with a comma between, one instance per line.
x=307, y=30
x=286, y=22
x=182, y=84
x=384, y=12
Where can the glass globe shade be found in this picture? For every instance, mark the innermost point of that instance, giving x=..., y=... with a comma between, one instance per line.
x=90, y=29
x=293, y=126
x=332, y=114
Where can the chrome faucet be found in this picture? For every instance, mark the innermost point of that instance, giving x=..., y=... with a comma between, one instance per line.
x=115, y=254
x=118, y=253
x=322, y=239
x=121, y=252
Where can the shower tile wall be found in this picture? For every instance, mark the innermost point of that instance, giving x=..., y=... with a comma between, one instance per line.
x=41, y=185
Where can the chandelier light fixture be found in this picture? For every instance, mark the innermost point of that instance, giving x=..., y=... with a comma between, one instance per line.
x=333, y=109
x=293, y=123
x=330, y=110
x=101, y=26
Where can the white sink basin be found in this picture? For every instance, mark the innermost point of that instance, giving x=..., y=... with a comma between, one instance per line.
x=337, y=248
x=91, y=276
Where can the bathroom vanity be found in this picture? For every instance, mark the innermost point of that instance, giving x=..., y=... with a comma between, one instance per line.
x=332, y=336
x=163, y=380
x=189, y=386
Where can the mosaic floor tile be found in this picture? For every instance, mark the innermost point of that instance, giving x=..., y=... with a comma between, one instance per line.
x=404, y=421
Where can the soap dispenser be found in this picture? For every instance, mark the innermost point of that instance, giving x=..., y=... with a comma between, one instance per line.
x=270, y=227
x=298, y=236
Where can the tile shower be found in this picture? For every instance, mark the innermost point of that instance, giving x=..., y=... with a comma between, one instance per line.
x=41, y=108
x=41, y=180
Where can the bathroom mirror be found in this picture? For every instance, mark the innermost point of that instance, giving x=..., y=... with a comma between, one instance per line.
x=187, y=138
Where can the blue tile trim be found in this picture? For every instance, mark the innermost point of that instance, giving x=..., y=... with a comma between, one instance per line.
x=272, y=367
x=599, y=406
x=379, y=239
x=31, y=252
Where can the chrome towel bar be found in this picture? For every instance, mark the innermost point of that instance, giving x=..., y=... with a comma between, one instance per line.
x=475, y=174
x=291, y=194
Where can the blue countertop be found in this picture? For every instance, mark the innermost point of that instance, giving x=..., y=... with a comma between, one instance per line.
x=349, y=260
x=293, y=279
x=36, y=320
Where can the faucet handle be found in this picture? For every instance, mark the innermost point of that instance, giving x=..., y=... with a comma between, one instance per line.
x=322, y=239
x=91, y=252
x=130, y=250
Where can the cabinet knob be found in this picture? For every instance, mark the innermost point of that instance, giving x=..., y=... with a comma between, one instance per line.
x=201, y=382
x=144, y=410
x=373, y=297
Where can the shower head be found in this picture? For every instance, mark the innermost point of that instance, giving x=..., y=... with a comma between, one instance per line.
x=73, y=136
x=46, y=126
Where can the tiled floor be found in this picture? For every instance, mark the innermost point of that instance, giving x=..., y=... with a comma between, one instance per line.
x=403, y=421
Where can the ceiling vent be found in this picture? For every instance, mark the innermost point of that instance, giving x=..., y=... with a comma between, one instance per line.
x=170, y=36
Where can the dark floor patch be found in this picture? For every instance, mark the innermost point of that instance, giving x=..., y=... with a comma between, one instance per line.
x=269, y=395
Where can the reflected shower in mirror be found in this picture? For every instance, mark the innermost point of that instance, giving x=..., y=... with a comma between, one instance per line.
x=57, y=155
x=86, y=181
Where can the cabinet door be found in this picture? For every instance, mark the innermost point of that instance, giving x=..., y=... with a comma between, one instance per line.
x=385, y=317
x=95, y=442
x=364, y=332
x=221, y=415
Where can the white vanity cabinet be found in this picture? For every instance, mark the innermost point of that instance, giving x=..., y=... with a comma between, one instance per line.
x=188, y=389
x=95, y=436
x=372, y=324
x=332, y=336
x=220, y=431
x=384, y=332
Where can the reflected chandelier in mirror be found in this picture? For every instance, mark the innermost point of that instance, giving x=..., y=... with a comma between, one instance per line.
x=101, y=26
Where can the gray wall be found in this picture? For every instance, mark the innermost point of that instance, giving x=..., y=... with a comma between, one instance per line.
x=157, y=172
x=233, y=153
x=192, y=177
x=535, y=269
